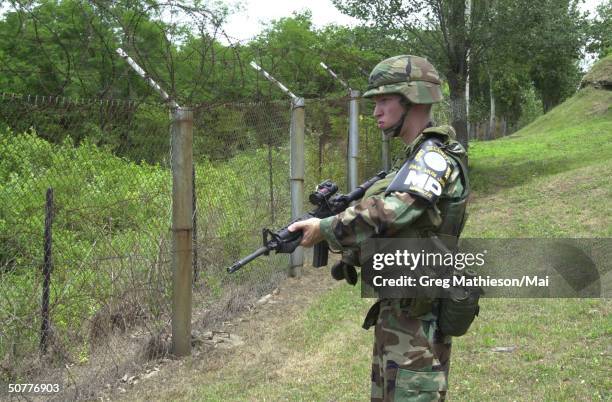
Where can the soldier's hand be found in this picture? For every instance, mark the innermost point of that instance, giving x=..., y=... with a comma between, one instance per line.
x=311, y=230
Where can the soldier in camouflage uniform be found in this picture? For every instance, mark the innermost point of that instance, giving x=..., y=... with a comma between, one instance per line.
x=411, y=356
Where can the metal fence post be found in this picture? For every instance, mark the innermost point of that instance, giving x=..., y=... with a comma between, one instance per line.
x=296, y=176
x=182, y=211
x=296, y=173
x=385, y=152
x=195, y=225
x=47, y=268
x=353, y=140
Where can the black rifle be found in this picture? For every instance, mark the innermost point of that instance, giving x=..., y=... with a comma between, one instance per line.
x=327, y=204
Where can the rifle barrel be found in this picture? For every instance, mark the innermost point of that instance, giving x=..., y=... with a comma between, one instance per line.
x=240, y=263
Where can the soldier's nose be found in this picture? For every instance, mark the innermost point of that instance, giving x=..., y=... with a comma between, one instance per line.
x=377, y=112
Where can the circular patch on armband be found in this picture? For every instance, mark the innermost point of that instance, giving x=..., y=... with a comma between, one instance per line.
x=435, y=161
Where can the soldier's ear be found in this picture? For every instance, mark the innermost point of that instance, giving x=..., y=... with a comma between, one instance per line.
x=426, y=109
x=405, y=102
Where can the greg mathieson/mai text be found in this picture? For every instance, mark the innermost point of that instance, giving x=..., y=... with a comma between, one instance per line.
x=482, y=281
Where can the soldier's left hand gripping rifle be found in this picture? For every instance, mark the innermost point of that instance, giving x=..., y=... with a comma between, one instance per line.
x=327, y=203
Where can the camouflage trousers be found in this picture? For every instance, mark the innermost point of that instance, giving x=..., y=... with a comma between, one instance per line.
x=411, y=357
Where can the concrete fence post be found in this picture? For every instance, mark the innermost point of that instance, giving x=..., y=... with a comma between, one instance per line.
x=296, y=176
x=353, y=140
x=182, y=227
x=386, y=161
x=183, y=177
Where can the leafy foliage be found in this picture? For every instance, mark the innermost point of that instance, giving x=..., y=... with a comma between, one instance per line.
x=600, y=31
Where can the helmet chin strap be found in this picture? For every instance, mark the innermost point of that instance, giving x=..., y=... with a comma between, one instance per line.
x=395, y=129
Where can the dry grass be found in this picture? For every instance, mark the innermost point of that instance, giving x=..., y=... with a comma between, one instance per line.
x=600, y=75
x=267, y=355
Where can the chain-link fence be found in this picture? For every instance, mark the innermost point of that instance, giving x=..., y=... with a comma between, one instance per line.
x=326, y=144
x=109, y=275
x=100, y=255
x=241, y=152
x=108, y=164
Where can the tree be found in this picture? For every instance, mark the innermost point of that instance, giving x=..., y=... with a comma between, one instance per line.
x=554, y=50
x=600, y=31
x=458, y=35
x=56, y=49
x=530, y=49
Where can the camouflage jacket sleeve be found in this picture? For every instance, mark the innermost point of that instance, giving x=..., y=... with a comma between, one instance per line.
x=379, y=214
x=383, y=214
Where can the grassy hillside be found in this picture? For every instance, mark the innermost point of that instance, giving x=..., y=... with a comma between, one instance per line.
x=600, y=75
x=551, y=179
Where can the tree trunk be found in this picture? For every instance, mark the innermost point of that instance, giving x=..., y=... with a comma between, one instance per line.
x=454, y=24
x=492, y=109
x=458, y=109
x=547, y=104
x=467, y=104
x=468, y=15
x=322, y=142
x=457, y=25
x=485, y=130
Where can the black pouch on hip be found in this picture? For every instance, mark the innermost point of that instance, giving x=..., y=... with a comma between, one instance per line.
x=457, y=311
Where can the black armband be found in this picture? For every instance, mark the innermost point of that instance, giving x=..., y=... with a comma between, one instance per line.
x=425, y=174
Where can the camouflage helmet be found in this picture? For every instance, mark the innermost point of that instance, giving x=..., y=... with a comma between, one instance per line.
x=411, y=76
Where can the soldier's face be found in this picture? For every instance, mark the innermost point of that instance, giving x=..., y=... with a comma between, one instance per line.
x=388, y=110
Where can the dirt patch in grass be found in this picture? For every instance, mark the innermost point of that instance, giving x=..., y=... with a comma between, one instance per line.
x=256, y=327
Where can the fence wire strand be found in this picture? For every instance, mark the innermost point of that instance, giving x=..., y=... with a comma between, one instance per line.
x=109, y=168
x=110, y=253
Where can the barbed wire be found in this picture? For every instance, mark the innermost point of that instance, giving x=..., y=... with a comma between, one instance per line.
x=68, y=101
x=113, y=252
x=112, y=249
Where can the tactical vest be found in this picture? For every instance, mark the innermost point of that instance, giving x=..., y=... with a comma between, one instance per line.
x=447, y=217
x=443, y=220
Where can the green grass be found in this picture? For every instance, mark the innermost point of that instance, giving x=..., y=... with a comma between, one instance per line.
x=551, y=179
x=561, y=355
x=575, y=134
x=314, y=367
x=561, y=351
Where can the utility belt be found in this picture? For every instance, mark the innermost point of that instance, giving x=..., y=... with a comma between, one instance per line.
x=454, y=313
x=455, y=310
